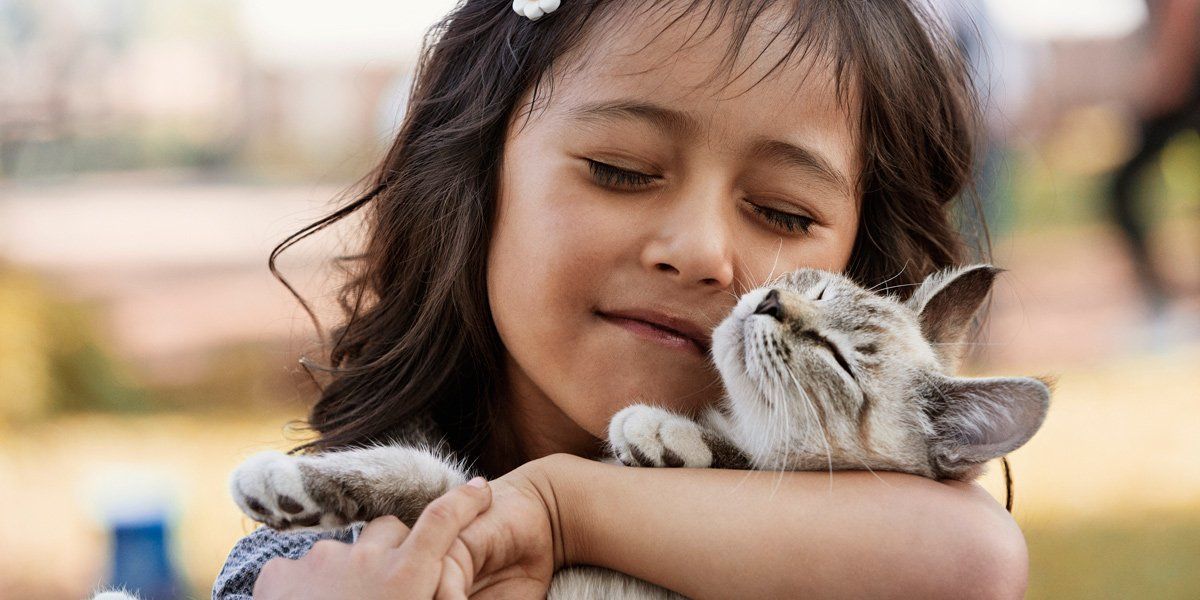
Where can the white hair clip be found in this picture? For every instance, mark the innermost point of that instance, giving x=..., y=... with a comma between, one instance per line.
x=534, y=9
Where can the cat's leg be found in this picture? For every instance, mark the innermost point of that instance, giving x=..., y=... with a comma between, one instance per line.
x=332, y=490
x=649, y=436
x=726, y=454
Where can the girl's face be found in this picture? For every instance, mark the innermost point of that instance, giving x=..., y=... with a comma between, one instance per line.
x=642, y=190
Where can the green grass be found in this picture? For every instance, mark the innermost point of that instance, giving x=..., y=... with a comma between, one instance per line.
x=1038, y=195
x=1131, y=556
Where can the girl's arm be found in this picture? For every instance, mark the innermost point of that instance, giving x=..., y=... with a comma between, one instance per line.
x=710, y=533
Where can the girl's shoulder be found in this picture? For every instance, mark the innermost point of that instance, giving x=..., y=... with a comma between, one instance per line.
x=246, y=560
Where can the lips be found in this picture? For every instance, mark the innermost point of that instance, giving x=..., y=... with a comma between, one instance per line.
x=675, y=326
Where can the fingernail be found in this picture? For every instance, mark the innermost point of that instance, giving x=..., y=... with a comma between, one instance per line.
x=478, y=482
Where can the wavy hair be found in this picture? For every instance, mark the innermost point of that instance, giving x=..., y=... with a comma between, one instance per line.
x=417, y=336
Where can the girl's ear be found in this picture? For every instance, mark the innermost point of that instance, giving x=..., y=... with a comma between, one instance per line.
x=945, y=303
x=979, y=419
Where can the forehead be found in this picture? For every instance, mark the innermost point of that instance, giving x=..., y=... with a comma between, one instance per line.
x=777, y=92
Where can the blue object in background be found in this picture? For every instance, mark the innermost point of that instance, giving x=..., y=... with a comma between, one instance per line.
x=141, y=562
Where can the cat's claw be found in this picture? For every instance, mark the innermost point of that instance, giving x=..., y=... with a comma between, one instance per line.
x=648, y=436
x=269, y=488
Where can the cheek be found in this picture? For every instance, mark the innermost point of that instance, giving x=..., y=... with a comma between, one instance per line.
x=835, y=255
x=532, y=269
x=546, y=256
x=546, y=265
x=830, y=252
x=557, y=253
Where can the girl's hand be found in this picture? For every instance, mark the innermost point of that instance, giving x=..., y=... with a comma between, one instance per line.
x=516, y=545
x=387, y=561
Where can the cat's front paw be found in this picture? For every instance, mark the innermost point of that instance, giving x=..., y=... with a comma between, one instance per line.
x=648, y=436
x=270, y=488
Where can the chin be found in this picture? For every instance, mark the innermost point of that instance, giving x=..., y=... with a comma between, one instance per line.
x=626, y=375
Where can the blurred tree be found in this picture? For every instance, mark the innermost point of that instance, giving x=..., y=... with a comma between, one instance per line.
x=51, y=357
x=1170, y=105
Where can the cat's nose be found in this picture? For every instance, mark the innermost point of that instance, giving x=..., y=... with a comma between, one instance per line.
x=770, y=306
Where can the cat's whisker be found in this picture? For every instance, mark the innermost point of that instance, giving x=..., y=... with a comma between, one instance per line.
x=787, y=419
x=896, y=287
x=808, y=404
x=884, y=282
x=969, y=344
x=765, y=390
x=776, y=263
x=768, y=391
x=872, y=471
x=781, y=466
x=787, y=432
x=745, y=267
x=731, y=295
x=777, y=424
x=715, y=381
x=742, y=285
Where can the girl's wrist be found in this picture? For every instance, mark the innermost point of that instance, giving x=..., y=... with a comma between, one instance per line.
x=567, y=483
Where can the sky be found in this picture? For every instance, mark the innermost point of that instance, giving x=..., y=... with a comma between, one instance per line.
x=1057, y=19
x=314, y=32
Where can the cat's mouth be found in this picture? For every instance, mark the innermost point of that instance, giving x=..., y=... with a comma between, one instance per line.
x=760, y=337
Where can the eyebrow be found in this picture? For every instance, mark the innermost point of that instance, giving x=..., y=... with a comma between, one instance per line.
x=679, y=124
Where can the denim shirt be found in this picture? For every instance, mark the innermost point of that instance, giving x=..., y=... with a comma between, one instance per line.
x=246, y=560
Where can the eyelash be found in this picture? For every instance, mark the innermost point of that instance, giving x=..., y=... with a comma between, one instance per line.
x=610, y=176
x=788, y=221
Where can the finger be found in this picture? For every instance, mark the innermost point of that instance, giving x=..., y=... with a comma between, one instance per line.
x=387, y=531
x=453, y=585
x=441, y=521
x=461, y=557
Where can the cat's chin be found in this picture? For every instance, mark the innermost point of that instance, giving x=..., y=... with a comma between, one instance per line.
x=726, y=347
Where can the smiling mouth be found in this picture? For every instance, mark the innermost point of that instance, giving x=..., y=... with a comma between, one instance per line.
x=657, y=333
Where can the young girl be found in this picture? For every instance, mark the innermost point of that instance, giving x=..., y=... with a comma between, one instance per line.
x=572, y=203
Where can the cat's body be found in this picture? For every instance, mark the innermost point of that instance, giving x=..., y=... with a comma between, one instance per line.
x=820, y=374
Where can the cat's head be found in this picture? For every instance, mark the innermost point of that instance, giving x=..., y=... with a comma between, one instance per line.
x=821, y=372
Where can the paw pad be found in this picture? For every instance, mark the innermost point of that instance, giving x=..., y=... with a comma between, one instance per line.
x=649, y=436
x=269, y=488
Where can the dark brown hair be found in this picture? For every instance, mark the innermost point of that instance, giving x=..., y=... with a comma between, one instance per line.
x=418, y=337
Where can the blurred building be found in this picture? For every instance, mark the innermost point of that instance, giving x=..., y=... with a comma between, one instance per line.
x=289, y=88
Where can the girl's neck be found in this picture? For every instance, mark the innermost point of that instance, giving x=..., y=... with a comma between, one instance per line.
x=531, y=426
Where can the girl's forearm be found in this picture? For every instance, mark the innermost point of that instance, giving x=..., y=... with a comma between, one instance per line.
x=714, y=533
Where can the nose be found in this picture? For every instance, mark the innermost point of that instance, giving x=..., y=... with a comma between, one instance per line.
x=770, y=306
x=693, y=241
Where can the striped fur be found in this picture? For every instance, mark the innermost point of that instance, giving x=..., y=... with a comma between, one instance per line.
x=833, y=377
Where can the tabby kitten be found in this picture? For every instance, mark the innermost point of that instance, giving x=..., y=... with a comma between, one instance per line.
x=819, y=373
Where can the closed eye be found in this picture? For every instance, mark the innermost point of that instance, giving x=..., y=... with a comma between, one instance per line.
x=821, y=340
x=615, y=177
x=785, y=220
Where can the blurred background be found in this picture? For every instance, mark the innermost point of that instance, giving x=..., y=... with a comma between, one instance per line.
x=153, y=151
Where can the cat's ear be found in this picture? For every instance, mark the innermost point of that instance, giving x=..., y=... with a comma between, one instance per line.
x=979, y=419
x=945, y=303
